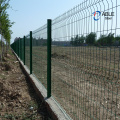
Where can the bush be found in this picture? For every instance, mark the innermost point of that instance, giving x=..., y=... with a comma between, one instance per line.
x=106, y=40
x=77, y=41
x=91, y=38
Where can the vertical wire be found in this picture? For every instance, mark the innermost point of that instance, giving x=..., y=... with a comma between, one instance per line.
x=87, y=63
x=87, y=26
x=83, y=63
x=118, y=68
x=81, y=49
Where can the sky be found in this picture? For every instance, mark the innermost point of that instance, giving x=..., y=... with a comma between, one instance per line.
x=29, y=15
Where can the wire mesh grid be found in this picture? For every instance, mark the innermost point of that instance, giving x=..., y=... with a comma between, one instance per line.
x=27, y=51
x=85, y=60
x=40, y=54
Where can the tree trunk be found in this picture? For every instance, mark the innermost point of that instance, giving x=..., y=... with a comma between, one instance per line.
x=1, y=48
x=6, y=50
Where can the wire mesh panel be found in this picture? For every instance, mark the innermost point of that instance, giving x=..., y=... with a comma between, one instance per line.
x=40, y=54
x=27, y=51
x=85, y=60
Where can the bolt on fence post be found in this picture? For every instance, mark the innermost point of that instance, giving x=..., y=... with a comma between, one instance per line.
x=30, y=52
x=24, y=50
x=49, y=58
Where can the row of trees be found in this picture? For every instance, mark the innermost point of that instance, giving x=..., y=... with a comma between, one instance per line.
x=5, y=25
x=90, y=39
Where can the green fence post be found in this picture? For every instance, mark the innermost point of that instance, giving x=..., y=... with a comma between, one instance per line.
x=24, y=50
x=30, y=52
x=49, y=58
x=18, y=47
x=15, y=47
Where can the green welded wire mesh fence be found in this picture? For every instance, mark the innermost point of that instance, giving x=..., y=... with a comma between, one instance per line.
x=27, y=51
x=83, y=65
x=40, y=54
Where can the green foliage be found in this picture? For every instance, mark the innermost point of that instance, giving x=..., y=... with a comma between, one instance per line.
x=5, y=23
x=117, y=38
x=2, y=43
x=102, y=40
x=4, y=5
x=106, y=40
x=77, y=41
x=91, y=38
x=110, y=39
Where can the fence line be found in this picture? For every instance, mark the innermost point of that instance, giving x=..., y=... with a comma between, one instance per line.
x=77, y=58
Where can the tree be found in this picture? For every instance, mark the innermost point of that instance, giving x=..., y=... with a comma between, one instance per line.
x=110, y=39
x=106, y=40
x=77, y=41
x=91, y=38
x=117, y=40
x=5, y=23
x=102, y=40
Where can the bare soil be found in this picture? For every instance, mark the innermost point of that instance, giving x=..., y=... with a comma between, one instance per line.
x=18, y=100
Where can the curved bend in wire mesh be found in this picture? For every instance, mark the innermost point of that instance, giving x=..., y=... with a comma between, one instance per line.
x=85, y=60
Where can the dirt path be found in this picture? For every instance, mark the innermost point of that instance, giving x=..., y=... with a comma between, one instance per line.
x=18, y=100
